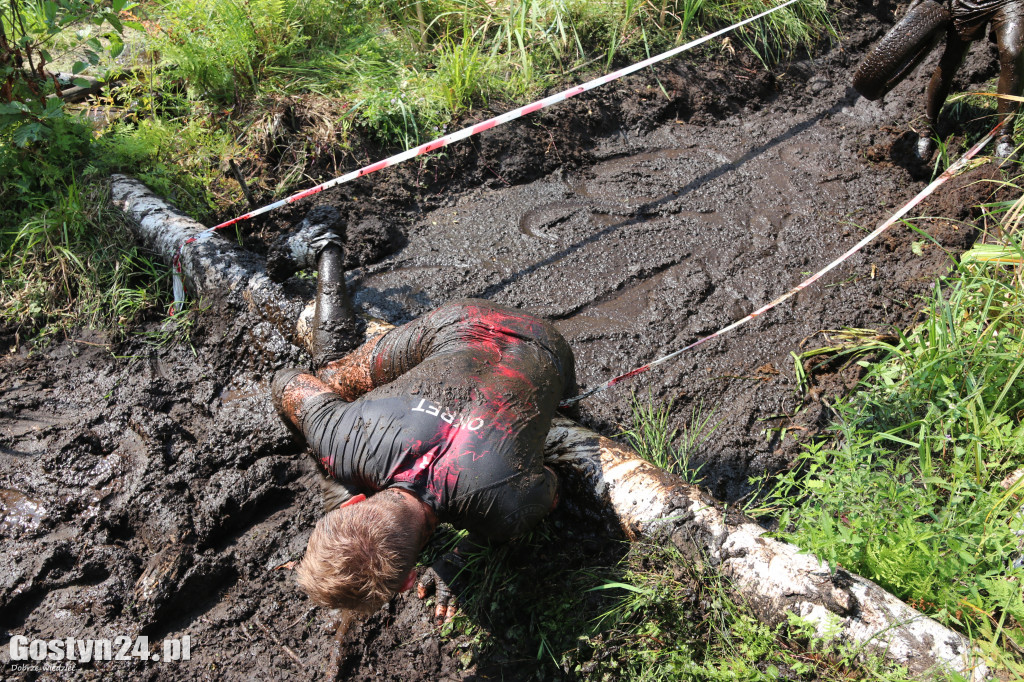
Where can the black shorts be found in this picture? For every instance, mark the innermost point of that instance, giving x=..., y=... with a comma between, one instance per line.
x=970, y=17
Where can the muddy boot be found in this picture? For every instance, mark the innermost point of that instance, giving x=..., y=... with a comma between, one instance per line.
x=336, y=329
x=299, y=250
x=1006, y=149
x=924, y=149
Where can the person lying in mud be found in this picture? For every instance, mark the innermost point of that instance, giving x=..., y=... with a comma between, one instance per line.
x=441, y=419
x=961, y=21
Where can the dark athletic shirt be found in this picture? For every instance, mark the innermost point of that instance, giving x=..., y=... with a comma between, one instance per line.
x=463, y=404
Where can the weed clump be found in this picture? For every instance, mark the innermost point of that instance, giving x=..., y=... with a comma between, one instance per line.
x=669, y=449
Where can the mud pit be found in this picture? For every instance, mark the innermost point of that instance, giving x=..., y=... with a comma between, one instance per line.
x=146, y=487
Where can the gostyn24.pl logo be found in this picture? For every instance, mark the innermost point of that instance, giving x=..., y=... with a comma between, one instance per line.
x=121, y=648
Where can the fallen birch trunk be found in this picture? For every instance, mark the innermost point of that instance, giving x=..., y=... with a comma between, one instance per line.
x=212, y=267
x=774, y=578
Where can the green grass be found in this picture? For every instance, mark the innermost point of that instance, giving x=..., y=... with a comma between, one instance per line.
x=526, y=601
x=906, y=489
x=67, y=256
x=651, y=615
x=671, y=449
x=405, y=69
x=676, y=619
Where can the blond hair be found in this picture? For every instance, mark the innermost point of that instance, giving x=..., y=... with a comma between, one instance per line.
x=359, y=556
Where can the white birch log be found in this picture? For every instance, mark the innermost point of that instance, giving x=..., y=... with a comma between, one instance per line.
x=213, y=267
x=774, y=578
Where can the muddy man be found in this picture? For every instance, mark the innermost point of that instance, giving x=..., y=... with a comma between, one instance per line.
x=961, y=21
x=441, y=419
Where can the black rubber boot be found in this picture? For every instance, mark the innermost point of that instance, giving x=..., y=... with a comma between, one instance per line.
x=299, y=250
x=336, y=329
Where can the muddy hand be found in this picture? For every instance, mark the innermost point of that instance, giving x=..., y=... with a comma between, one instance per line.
x=438, y=578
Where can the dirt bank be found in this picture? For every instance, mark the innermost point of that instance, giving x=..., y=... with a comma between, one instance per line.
x=146, y=487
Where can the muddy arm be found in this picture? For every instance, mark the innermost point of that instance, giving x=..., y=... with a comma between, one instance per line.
x=512, y=509
x=384, y=357
x=328, y=424
x=292, y=390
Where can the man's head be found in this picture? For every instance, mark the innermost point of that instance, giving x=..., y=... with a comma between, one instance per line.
x=360, y=555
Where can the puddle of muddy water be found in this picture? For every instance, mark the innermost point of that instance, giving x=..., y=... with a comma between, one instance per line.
x=19, y=512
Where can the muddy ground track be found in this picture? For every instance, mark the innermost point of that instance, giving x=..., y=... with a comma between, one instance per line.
x=147, y=487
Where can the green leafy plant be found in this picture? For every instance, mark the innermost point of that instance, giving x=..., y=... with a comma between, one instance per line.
x=909, y=490
x=28, y=31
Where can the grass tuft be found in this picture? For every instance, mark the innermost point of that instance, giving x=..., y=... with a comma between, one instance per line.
x=670, y=449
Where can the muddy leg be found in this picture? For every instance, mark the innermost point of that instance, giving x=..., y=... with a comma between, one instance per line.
x=938, y=89
x=1010, y=39
x=336, y=330
x=349, y=377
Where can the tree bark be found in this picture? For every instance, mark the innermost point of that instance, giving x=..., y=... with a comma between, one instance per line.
x=774, y=578
x=212, y=267
x=609, y=480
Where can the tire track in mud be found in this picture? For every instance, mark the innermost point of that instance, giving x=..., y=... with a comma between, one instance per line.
x=152, y=490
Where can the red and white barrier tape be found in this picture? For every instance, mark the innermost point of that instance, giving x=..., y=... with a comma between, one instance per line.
x=950, y=172
x=445, y=140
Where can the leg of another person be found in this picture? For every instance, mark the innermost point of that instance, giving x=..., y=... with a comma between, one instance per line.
x=336, y=330
x=939, y=87
x=1009, y=30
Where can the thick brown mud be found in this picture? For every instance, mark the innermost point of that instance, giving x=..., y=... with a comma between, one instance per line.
x=147, y=487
